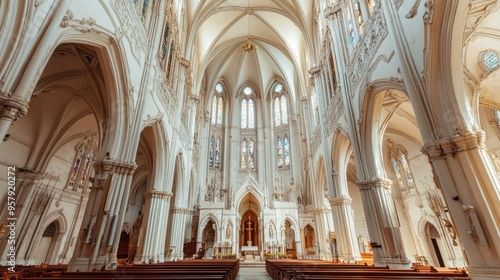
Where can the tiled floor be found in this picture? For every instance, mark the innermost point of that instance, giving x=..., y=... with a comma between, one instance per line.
x=253, y=273
x=253, y=270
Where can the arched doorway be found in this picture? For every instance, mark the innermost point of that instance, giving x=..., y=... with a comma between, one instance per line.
x=122, y=252
x=249, y=234
x=47, y=247
x=309, y=247
x=433, y=239
x=290, y=245
x=208, y=239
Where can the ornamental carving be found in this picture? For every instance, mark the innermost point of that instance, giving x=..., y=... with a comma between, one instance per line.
x=375, y=32
x=333, y=113
x=132, y=27
x=316, y=139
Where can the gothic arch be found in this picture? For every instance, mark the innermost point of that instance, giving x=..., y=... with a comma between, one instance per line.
x=249, y=187
x=370, y=135
x=341, y=152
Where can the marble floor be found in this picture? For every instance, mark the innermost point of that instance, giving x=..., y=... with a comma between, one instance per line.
x=253, y=273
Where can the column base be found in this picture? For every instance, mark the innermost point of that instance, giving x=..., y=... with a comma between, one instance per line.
x=484, y=273
x=393, y=263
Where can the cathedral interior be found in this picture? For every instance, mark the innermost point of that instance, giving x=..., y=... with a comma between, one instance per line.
x=337, y=130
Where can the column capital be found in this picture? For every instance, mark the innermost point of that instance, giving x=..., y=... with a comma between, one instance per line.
x=462, y=141
x=331, y=10
x=343, y=200
x=158, y=194
x=374, y=183
x=12, y=107
x=304, y=98
x=195, y=98
x=313, y=71
x=115, y=166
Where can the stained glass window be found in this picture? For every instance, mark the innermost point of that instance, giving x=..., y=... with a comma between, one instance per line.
x=279, y=146
x=76, y=166
x=82, y=165
x=278, y=88
x=214, y=109
x=244, y=154
x=284, y=110
x=144, y=11
x=277, y=112
x=251, y=155
x=247, y=91
x=211, y=152
x=350, y=26
x=251, y=116
x=407, y=172
x=359, y=16
x=244, y=107
x=85, y=171
x=218, y=88
x=286, y=151
x=397, y=171
x=217, y=152
x=219, y=111
x=402, y=171
x=491, y=60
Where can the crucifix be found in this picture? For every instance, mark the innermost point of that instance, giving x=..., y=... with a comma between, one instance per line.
x=249, y=229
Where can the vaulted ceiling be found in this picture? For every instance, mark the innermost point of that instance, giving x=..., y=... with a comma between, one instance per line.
x=280, y=29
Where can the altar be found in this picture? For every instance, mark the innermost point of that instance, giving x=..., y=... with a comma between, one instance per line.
x=250, y=252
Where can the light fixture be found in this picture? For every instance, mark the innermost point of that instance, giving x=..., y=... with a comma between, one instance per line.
x=249, y=46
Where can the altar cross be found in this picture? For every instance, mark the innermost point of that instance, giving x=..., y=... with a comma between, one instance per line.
x=249, y=229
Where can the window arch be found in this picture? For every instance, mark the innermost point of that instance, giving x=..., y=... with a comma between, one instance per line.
x=247, y=109
x=281, y=126
x=217, y=130
x=399, y=161
x=82, y=165
x=247, y=155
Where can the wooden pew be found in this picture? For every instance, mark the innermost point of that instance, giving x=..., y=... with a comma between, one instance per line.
x=280, y=269
x=181, y=270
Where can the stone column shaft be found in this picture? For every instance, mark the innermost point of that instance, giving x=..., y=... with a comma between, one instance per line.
x=152, y=243
x=347, y=243
x=471, y=190
x=103, y=217
x=383, y=224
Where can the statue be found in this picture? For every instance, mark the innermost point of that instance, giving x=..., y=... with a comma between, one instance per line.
x=271, y=233
x=228, y=230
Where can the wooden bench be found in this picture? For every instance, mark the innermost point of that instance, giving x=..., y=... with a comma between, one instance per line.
x=280, y=269
x=181, y=270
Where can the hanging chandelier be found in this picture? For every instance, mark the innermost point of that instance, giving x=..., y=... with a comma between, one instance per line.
x=249, y=46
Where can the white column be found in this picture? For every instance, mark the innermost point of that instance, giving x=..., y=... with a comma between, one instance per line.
x=105, y=210
x=152, y=243
x=347, y=243
x=322, y=229
x=383, y=224
x=177, y=235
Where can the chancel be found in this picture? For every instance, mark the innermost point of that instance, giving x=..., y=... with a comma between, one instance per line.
x=139, y=132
